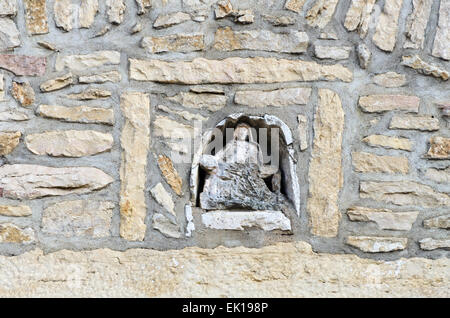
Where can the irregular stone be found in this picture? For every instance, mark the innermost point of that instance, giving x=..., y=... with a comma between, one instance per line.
x=64, y=13
x=13, y=115
x=390, y=79
x=332, y=52
x=441, y=47
x=78, y=114
x=10, y=233
x=415, y=62
x=303, y=131
x=170, y=129
x=87, y=62
x=244, y=16
x=359, y=15
x=163, y=198
x=403, y=193
x=116, y=11
x=138, y=27
x=135, y=142
x=170, y=174
x=279, y=21
x=370, y=244
x=367, y=162
x=388, y=142
x=36, y=16
x=438, y=175
x=429, y=244
x=8, y=8
x=22, y=65
x=165, y=226
x=277, y=98
x=69, y=143
x=439, y=222
x=214, y=89
x=26, y=182
x=329, y=34
x=165, y=21
x=212, y=102
x=80, y=218
x=385, y=219
x=224, y=9
x=174, y=43
x=321, y=13
x=417, y=23
x=9, y=141
x=143, y=6
x=9, y=35
x=325, y=171
x=15, y=210
x=236, y=70
x=186, y=115
x=242, y=220
x=57, y=83
x=103, y=31
x=88, y=11
x=294, y=5
x=90, y=94
x=260, y=40
x=100, y=78
x=190, y=227
x=383, y=103
x=48, y=46
x=416, y=122
x=439, y=148
x=23, y=93
x=385, y=36
x=364, y=55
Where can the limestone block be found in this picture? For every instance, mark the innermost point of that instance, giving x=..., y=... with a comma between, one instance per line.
x=370, y=244
x=207, y=101
x=439, y=222
x=332, y=52
x=36, y=16
x=388, y=142
x=9, y=35
x=23, y=93
x=278, y=98
x=441, y=47
x=101, y=78
x=429, y=244
x=359, y=15
x=242, y=220
x=321, y=13
x=163, y=198
x=8, y=8
x=165, y=226
x=390, y=79
x=86, y=62
x=9, y=141
x=439, y=148
x=415, y=62
x=57, y=83
x=88, y=11
x=383, y=103
x=171, y=129
x=385, y=36
x=77, y=114
x=371, y=163
x=385, y=219
x=415, y=122
x=170, y=174
x=90, y=94
x=174, y=43
x=438, y=175
x=10, y=233
x=165, y=21
x=116, y=11
x=15, y=210
x=64, y=13
x=417, y=23
x=294, y=5
x=22, y=65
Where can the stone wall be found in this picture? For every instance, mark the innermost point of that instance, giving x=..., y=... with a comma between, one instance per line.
x=92, y=93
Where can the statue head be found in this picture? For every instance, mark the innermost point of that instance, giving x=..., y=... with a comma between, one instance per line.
x=242, y=132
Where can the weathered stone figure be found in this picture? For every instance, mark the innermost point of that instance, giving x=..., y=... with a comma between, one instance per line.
x=235, y=176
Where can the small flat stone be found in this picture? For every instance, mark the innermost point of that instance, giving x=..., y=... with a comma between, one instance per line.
x=22, y=65
x=8, y=8
x=165, y=226
x=385, y=219
x=171, y=129
x=87, y=62
x=165, y=21
x=9, y=35
x=417, y=24
x=390, y=79
x=438, y=175
x=388, y=142
x=415, y=62
x=383, y=103
x=332, y=52
x=9, y=141
x=242, y=220
x=78, y=114
x=303, y=131
x=48, y=46
x=321, y=13
x=364, y=55
x=377, y=244
x=57, y=83
x=429, y=244
x=212, y=102
x=10, y=233
x=116, y=11
x=279, y=21
x=64, y=13
x=174, y=43
x=163, y=198
x=224, y=9
x=36, y=16
x=385, y=36
x=88, y=11
x=294, y=5
x=23, y=93
x=439, y=148
x=186, y=115
x=371, y=163
x=90, y=94
x=359, y=15
x=170, y=174
x=143, y=6
x=441, y=46
x=278, y=98
x=15, y=210
x=439, y=222
x=13, y=115
x=100, y=78
x=414, y=122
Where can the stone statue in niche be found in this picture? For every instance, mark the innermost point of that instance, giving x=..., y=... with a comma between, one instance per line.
x=236, y=176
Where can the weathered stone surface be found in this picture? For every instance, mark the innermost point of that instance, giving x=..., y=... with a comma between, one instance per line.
x=224, y=9
x=385, y=219
x=367, y=162
x=31, y=181
x=64, y=13
x=8, y=8
x=417, y=23
x=241, y=220
x=87, y=62
x=260, y=40
x=10, y=233
x=15, y=210
x=48, y=46
x=22, y=65
x=90, y=94
x=279, y=21
x=236, y=70
x=439, y=222
x=174, y=43
x=390, y=79
x=13, y=115
x=388, y=142
x=429, y=244
x=9, y=35
x=88, y=11
x=403, y=193
x=57, y=83
x=78, y=114
x=2, y=88
x=165, y=21
x=278, y=98
x=80, y=218
x=439, y=148
x=385, y=36
x=212, y=102
x=186, y=115
x=441, y=46
x=100, y=78
x=116, y=11
x=415, y=62
x=328, y=34
x=69, y=143
x=321, y=13
x=303, y=131
x=294, y=5
x=358, y=16
x=165, y=226
x=170, y=174
x=23, y=93
x=163, y=198
x=332, y=52
x=383, y=103
x=438, y=175
x=9, y=141
x=364, y=55
x=143, y=5
x=417, y=122
x=170, y=129
x=36, y=16
x=325, y=170
x=370, y=244
x=244, y=16
x=135, y=142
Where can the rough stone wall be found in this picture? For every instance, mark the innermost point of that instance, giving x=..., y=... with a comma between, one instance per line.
x=91, y=93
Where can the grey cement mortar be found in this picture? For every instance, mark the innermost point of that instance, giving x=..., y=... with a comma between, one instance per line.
x=357, y=126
